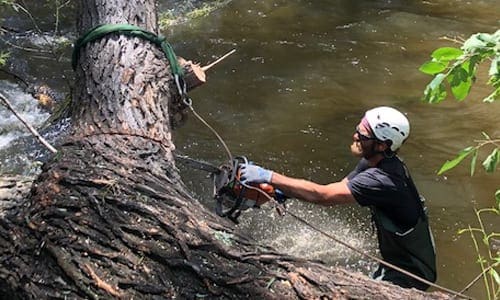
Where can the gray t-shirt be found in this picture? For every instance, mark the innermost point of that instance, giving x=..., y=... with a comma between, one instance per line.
x=386, y=187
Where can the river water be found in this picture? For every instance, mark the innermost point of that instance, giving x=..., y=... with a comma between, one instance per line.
x=302, y=75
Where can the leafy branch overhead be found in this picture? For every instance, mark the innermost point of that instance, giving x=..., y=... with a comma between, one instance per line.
x=490, y=163
x=458, y=67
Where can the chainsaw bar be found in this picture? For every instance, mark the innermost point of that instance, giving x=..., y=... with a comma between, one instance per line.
x=197, y=164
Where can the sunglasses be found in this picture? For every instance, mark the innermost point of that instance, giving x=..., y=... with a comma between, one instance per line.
x=363, y=137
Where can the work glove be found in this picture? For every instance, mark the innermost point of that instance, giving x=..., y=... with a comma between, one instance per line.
x=254, y=174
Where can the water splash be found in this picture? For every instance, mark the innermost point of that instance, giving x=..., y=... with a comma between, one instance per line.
x=350, y=224
x=20, y=153
x=288, y=235
x=26, y=106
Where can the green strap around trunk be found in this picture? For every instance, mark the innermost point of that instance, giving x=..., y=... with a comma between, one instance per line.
x=130, y=30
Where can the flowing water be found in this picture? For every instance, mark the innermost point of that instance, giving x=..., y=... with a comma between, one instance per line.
x=302, y=75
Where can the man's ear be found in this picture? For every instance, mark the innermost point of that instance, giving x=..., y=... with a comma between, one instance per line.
x=381, y=146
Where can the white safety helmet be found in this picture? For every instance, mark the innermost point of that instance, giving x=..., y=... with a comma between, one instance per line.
x=388, y=124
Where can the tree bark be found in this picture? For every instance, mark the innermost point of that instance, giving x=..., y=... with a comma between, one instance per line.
x=109, y=216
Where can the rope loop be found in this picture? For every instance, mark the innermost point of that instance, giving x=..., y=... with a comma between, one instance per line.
x=188, y=102
x=103, y=30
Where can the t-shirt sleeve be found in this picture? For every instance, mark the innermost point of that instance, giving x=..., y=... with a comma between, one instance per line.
x=368, y=189
x=360, y=167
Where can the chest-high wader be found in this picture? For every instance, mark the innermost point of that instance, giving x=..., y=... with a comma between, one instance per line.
x=412, y=249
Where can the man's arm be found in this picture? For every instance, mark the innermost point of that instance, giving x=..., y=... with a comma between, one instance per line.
x=328, y=194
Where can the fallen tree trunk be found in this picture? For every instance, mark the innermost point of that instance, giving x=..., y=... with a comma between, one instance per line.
x=109, y=215
x=13, y=190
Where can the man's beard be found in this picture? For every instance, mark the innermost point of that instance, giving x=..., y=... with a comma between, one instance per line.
x=356, y=149
x=365, y=151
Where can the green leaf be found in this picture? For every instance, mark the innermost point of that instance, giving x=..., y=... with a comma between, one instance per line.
x=489, y=39
x=473, y=163
x=435, y=91
x=493, y=96
x=460, y=82
x=495, y=275
x=491, y=162
x=435, y=95
x=437, y=81
x=453, y=163
x=472, y=64
x=473, y=44
x=445, y=54
x=495, y=66
x=495, y=81
x=432, y=67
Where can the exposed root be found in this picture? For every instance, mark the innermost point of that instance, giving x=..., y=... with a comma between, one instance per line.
x=101, y=283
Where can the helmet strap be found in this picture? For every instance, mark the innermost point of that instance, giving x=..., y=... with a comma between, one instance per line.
x=388, y=153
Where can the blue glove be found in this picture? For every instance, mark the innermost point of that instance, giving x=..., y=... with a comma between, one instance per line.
x=254, y=174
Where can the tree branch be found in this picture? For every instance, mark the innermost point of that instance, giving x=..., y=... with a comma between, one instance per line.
x=30, y=128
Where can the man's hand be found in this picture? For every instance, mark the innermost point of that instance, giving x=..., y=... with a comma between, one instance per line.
x=254, y=174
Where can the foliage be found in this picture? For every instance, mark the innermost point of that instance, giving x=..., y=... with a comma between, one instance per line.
x=490, y=163
x=458, y=67
x=189, y=10
x=489, y=263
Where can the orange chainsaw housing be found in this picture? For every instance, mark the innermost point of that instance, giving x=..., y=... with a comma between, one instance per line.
x=240, y=190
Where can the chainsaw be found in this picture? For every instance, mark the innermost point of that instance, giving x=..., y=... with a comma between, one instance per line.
x=231, y=195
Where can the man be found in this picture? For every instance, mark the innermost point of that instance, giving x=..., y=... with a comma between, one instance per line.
x=380, y=181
